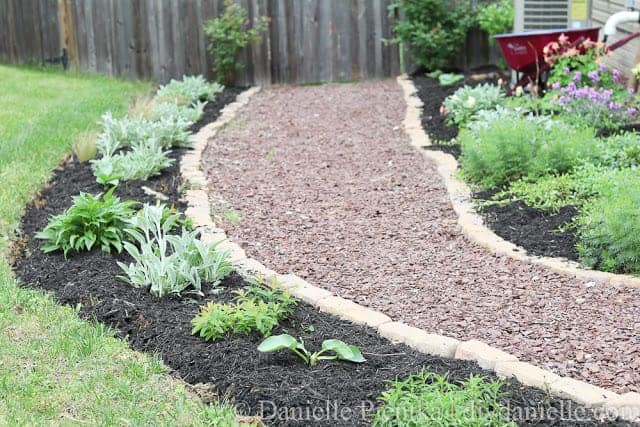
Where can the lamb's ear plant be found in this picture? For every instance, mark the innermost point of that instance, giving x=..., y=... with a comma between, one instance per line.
x=92, y=221
x=170, y=264
x=338, y=350
x=188, y=90
x=144, y=160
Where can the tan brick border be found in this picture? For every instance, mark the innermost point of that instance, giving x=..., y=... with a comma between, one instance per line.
x=504, y=364
x=469, y=221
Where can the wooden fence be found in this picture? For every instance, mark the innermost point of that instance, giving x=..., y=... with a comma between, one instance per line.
x=307, y=40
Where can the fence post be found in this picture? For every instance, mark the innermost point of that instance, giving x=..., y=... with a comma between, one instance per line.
x=68, y=31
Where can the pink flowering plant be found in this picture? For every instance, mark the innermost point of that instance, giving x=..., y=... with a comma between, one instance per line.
x=584, y=88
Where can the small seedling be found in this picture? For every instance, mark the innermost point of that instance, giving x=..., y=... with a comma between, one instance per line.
x=84, y=146
x=341, y=350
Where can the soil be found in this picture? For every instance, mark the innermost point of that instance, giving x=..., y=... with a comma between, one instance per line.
x=432, y=95
x=335, y=193
x=213, y=108
x=257, y=383
x=534, y=229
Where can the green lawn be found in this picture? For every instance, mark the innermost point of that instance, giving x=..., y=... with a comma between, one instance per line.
x=56, y=369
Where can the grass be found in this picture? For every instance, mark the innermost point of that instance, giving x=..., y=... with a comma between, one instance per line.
x=56, y=369
x=428, y=399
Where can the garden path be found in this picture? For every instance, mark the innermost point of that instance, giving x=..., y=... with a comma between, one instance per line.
x=321, y=181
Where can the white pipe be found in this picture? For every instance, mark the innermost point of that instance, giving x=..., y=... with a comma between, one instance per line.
x=611, y=27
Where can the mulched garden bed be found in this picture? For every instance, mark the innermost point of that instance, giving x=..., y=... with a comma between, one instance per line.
x=535, y=230
x=257, y=383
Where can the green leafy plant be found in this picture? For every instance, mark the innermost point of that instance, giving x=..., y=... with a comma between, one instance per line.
x=260, y=308
x=166, y=131
x=181, y=113
x=170, y=264
x=92, y=221
x=609, y=227
x=433, y=30
x=496, y=17
x=189, y=90
x=144, y=160
x=229, y=33
x=339, y=349
x=449, y=79
x=428, y=399
x=518, y=147
x=465, y=102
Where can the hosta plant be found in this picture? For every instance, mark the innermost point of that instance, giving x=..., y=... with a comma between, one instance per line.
x=170, y=264
x=92, y=221
x=188, y=90
x=332, y=349
x=259, y=308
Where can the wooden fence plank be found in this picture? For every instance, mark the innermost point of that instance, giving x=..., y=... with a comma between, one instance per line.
x=307, y=40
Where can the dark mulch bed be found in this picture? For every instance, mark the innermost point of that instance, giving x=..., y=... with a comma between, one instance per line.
x=258, y=383
x=535, y=230
x=432, y=95
x=213, y=108
x=453, y=149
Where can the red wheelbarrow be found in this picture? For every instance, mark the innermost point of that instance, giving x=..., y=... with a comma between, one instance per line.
x=524, y=51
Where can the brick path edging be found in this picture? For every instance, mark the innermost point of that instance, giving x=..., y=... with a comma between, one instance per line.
x=626, y=406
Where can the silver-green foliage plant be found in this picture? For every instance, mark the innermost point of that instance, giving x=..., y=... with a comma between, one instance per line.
x=181, y=113
x=260, y=307
x=332, y=349
x=144, y=160
x=170, y=264
x=92, y=221
x=428, y=399
x=188, y=90
x=167, y=131
x=464, y=103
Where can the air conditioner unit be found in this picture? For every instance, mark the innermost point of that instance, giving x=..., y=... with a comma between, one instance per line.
x=535, y=15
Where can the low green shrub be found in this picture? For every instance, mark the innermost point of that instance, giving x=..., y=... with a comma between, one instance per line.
x=92, y=221
x=189, y=90
x=465, y=102
x=427, y=399
x=433, y=30
x=259, y=308
x=180, y=113
x=496, y=17
x=170, y=264
x=229, y=33
x=518, y=146
x=609, y=227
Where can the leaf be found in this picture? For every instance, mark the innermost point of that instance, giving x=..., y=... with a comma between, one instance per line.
x=277, y=343
x=449, y=79
x=344, y=351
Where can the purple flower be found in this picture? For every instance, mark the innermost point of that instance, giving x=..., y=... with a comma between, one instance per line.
x=566, y=70
x=632, y=111
x=616, y=75
x=577, y=77
x=594, y=76
x=630, y=91
x=603, y=67
x=555, y=86
x=614, y=106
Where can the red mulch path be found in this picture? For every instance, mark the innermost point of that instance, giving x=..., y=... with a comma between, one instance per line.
x=328, y=187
